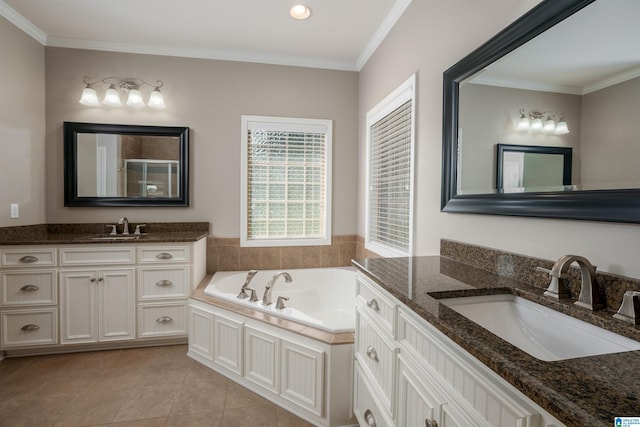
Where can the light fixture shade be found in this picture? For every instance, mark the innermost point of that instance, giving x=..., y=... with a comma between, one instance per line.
x=536, y=124
x=135, y=99
x=523, y=123
x=89, y=97
x=561, y=128
x=156, y=100
x=300, y=12
x=549, y=125
x=112, y=97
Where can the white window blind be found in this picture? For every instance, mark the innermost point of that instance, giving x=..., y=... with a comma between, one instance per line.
x=286, y=182
x=390, y=175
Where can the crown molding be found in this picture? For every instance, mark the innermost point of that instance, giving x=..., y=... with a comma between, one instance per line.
x=21, y=22
x=613, y=80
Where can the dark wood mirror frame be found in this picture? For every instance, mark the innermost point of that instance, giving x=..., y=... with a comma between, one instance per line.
x=501, y=149
x=70, y=134
x=594, y=205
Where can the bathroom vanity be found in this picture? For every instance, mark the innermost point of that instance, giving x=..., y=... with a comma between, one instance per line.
x=418, y=362
x=75, y=291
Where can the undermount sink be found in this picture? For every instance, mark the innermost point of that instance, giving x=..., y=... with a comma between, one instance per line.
x=120, y=237
x=538, y=330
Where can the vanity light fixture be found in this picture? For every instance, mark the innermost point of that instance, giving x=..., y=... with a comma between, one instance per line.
x=116, y=85
x=553, y=123
x=300, y=12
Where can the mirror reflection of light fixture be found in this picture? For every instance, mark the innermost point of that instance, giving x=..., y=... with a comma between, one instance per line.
x=112, y=94
x=553, y=123
x=300, y=12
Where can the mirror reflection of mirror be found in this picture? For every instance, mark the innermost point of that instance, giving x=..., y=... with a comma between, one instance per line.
x=113, y=165
x=585, y=68
x=521, y=168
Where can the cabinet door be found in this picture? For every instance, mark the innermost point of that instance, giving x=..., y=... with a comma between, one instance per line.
x=79, y=306
x=262, y=355
x=117, y=304
x=417, y=404
x=227, y=348
x=201, y=332
x=302, y=376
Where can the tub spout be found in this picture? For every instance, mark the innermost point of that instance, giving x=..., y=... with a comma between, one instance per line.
x=243, y=292
x=266, y=299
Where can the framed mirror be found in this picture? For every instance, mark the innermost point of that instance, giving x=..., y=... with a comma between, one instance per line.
x=565, y=62
x=530, y=168
x=125, y=165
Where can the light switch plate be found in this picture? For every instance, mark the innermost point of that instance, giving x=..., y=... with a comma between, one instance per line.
x=15, y=210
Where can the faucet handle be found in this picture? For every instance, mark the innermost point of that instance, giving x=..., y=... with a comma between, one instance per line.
x=138, y=228
x=552, y=272
x=629, y=310
x=113, y=229
x=280, y=303
x=254, y=296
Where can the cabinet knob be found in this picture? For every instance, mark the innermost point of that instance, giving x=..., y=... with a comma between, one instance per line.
x=29, y=288
x=101, y=279
x=430, y=423
x=164, y=283
x=30, y=327
x=28, y=259
x=164, y=255
x=369, y=418
x=92, y=280
x=373, y=304
x=372, y=353
x=164, y=319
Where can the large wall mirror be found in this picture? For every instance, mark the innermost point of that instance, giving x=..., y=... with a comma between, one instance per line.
x=571, y=64
x=124, y=165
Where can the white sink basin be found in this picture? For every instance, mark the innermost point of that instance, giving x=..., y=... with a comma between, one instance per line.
x=538, y=330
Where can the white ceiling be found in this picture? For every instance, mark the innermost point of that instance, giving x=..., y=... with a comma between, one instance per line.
x=340, y=34
x=594, y=48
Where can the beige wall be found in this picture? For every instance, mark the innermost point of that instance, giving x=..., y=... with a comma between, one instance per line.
x=209, y=96
x=428, y=39
x=22, y=112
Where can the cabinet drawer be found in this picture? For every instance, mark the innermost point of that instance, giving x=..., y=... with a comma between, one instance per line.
x=376, y=352
x=163, y=254
x=28, y=257
x=97, y=256
x=163, y=282
x=366, y=408
x=34, y=287
x=165, y=319
x=377, y=305
x=29, y=327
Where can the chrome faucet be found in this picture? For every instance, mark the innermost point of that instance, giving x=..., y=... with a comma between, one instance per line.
x=124, y=221
x=243, y=292
x=266, y=299
x=589, y=292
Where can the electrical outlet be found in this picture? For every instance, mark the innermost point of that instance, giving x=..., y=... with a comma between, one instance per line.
x=15, y=210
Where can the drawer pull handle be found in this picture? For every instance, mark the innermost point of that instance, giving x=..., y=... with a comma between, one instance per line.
x=430, y=423
x=164, y=255
x=369, y=418
x=373, y=304
x=164, y=283
x=30, y=327
x=29, y=288
x=28, y=259
x=372, y=353
x=164, y=319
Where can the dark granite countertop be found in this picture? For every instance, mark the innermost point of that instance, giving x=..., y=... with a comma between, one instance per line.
x=587, y=391
x=64, y=234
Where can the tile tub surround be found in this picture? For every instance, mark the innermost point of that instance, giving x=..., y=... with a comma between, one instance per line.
x=523, y=269
x=588, y=391
x=52, y=234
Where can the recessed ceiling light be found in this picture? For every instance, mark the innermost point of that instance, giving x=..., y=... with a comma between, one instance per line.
x=300, y=11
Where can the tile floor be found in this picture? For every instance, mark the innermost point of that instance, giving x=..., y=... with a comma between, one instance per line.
x=157, y=386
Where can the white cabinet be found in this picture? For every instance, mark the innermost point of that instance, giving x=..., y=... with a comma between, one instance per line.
x=28, y=297
x=97, y=305
x=262, y=358
x=227, y=345
x=432, y=381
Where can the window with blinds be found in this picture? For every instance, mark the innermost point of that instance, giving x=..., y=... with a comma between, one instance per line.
x=286, y=176
x=390, y=135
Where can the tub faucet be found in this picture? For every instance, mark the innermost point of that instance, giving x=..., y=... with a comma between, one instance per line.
x=243, y=292
x=124, y=221
x=266, y=299
x=589, y=292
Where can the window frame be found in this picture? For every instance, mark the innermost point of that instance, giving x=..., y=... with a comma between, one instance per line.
x=403, y=93
x=287, y=124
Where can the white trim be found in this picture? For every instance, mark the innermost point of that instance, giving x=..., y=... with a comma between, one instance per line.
x=610, y=81
x=23, y=23
x=524, y=84
x=381, y=33
x=403, y=93
x=292, y=124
